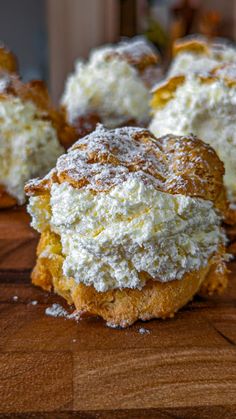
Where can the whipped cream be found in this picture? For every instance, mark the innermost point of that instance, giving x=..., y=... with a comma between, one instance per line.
x=112, y=88
x=207, y=110
x=28, y=145
x=186, y=62
x=110, y=238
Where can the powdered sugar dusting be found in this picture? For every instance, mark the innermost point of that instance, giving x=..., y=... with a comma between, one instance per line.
x=106, y=158
x=144, y=331
x=137, y=48
x=56, y=310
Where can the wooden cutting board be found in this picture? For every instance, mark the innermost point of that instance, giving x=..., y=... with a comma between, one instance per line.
x=57, y=368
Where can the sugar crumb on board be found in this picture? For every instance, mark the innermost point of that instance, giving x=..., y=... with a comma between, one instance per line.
x=56, y=310
x=143, y=331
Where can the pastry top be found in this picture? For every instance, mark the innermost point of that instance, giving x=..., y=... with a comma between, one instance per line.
x=113, y=84
x=137, y=52
x=29, y=144
x=106, y=158
x=8, y=61
x=198, y=44
x=127, y=207
x=223, y=74
x=197, y=53
x=202, y=103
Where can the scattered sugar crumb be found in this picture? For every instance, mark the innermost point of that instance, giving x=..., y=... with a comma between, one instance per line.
x=15, y=298
x=73, y=340
x=34, y=302
x=144, y=331
x=112, y=325
x=58, y=311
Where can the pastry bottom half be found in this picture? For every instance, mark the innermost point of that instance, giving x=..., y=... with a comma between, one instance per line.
x=124, y=307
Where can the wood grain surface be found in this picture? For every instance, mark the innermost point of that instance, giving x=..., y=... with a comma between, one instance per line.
x=58, y=368
x=18, y=243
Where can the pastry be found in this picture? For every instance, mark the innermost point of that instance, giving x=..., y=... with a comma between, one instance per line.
x=8, y=61
x=131, y=225
x=31, y=136
x=197, y=53
x=112, y=87
x=202, y=104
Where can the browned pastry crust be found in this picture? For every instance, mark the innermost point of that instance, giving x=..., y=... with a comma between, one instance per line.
x=139, y=55
x=164, y=92
x=124, y=307
x=194, y=45
x=187, y=167
x=83, y=124
x=182, y=167
x=201, y=45
x=8, y=61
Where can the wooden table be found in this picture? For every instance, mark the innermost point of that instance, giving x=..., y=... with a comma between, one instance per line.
x=56, y=368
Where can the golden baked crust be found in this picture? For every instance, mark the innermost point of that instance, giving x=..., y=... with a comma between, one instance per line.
x=8, y=61
x=191, y=44
x=179, y=167
x=139, y=54
x=124, y=307
x=203, y=46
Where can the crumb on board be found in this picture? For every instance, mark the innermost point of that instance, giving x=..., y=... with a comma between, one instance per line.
x=15, y=297
x=143, y=331
x=56, y=310
x=34, y=302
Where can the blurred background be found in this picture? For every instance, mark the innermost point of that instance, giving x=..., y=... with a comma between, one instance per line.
x=48, y=35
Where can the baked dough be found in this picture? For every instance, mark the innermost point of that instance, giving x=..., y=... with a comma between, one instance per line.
x=8, y=61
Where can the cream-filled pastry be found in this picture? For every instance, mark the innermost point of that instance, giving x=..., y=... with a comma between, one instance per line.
x=31, y=133
x=131, y=225
x=197, y=53
x=205, y=105
x=112, y=86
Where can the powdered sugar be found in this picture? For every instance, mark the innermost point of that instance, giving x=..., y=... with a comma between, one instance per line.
x=144, y=331
x=56, y=310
